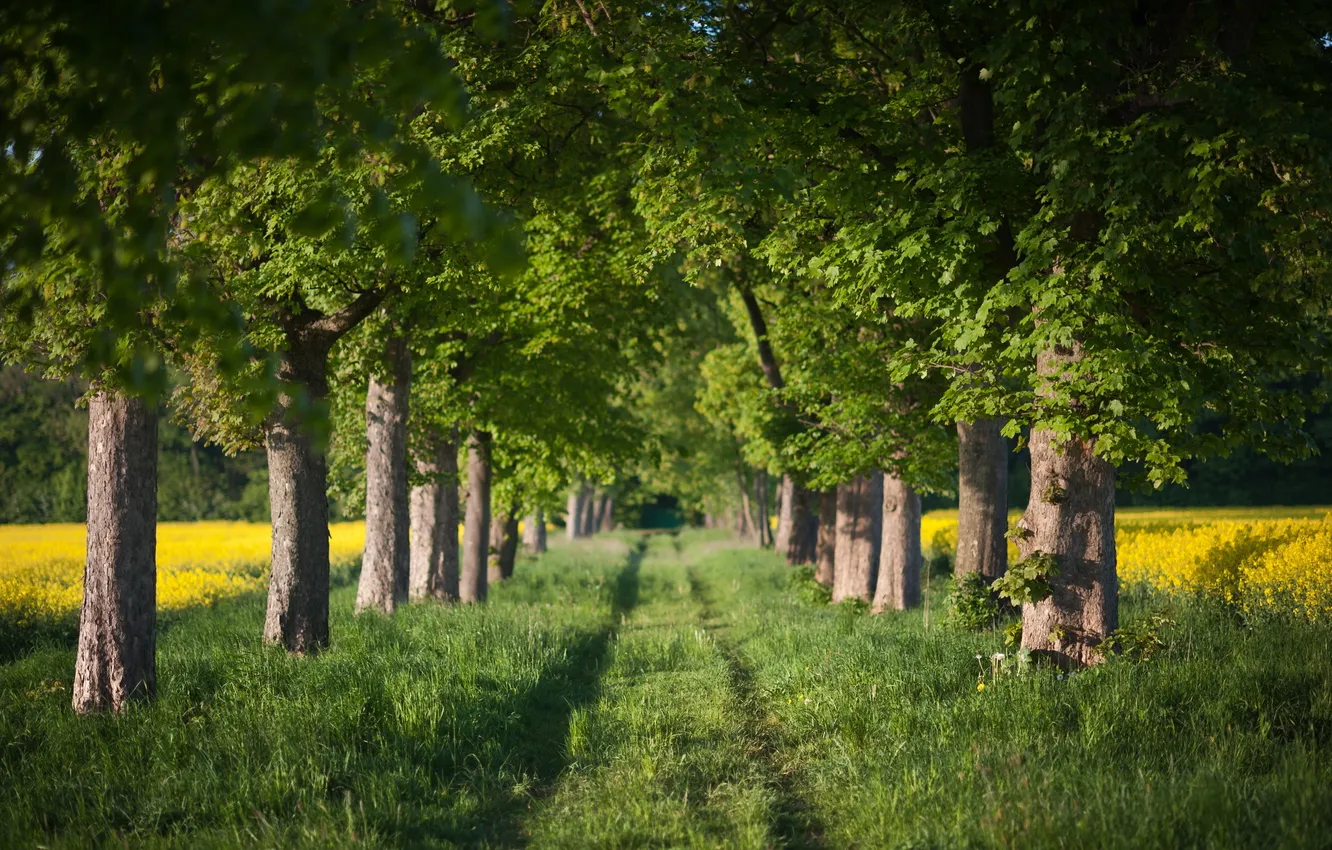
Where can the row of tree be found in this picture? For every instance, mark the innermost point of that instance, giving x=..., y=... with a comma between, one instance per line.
x=1100, y=231
x=844, y=245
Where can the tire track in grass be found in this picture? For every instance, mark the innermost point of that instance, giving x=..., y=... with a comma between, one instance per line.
x=794, y=824
x=547, y=711
x=660, y=759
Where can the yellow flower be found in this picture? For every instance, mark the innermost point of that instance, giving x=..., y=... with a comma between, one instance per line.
x=980, y=686
x=1261, y=559
x=199, y=563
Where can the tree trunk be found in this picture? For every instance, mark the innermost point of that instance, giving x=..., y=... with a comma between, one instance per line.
x=785, y=506
x=797, y=526
x=859, y=516
x=476, y=528
x=574, y=513
x=761, y=506
x=534, y=533
x=744, y=521
x=386, y=564
x=434, y=550
x=982, y=499
x=1071, y=516
x=900, y=560
x=606, y=513
x=116, y=659
x=602, y=500
x=588, y=521
x=494, y=552
x=508, y=551
x=297, y=614
x=826, y=539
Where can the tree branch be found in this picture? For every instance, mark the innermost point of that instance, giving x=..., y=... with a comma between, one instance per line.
x=767, y=360
x=334, y=325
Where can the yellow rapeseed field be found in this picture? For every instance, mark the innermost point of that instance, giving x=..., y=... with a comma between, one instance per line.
x=1261, y=559
x=41, y=566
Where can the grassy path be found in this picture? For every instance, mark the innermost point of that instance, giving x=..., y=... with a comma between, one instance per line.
x=673, y=693
x=674, y=751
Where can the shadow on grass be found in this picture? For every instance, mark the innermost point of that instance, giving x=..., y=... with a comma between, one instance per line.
x=532, y=740
x=794, y=822
x=62, y=633
x=19, y=641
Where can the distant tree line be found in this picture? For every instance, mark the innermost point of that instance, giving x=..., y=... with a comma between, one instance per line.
x=44, y=462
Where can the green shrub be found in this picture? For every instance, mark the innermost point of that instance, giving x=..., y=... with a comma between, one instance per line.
x=1028, y=579
x=806, y=589
x=1138, y=641
x=972, y=605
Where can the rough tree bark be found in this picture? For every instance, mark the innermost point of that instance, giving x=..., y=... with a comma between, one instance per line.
x=900, y=559
x=434, y=547
x=796, y=524
x=386, y=564
x=825, y=557
x=476, y=527
x=982, y=499
x=859, y=515
x=1071, y=517
x=297, y=613
x=116, y=659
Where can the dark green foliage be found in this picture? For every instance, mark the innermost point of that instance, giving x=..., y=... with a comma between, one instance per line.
x=972, y=605
x=43, y=449
x=806, y=589
x=43, y=462
x=1139, y=640
x=1027, y=580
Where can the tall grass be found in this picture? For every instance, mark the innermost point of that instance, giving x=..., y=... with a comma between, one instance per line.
x=675, y=693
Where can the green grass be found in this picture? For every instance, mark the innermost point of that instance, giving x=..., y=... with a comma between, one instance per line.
x=674, y=696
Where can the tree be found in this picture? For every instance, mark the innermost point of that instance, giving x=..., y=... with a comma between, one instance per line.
x=206, y=88
x=102, y=146
x=385, y=568
x=1153, y=166
x=116, y=658
x=472, y=579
